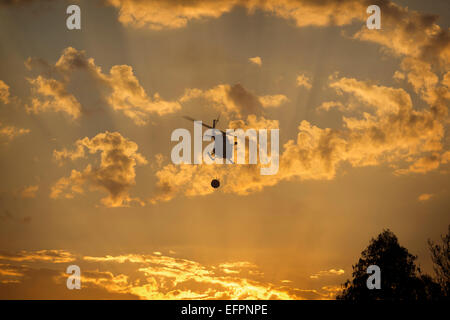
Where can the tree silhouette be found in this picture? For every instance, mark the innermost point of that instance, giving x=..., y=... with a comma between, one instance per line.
x=440, y=255
x=401, y=279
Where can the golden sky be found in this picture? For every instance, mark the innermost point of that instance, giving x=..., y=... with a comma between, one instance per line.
x=86, y=118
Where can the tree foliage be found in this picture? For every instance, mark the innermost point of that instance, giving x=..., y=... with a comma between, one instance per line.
x=440, y=255
x=401, y=278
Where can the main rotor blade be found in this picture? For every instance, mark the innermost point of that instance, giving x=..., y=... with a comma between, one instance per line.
x=224, y=133
x=203, y=124
x=207, y=126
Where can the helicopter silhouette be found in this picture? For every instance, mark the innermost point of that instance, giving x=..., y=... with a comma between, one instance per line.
x=226, y=145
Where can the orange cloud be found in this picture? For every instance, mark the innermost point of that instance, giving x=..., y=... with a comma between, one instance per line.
x=328, y=105
x=273, y=100
x=53, y=256
x=120, y=88
x=29, y=191
x=4, y=92
x=159, y=15
x=129, y=97
x=115, y=174
x=171, y=278
x=7, y=270
x=235, y=100
x=143, y=276
x=423, y=164
x=51, y=94
x=304, y=81
x=8, y=133
x=256, y=60
x=425, y=197
x=335, y=272
x=410, y=33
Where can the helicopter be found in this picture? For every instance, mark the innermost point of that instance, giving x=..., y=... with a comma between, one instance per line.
x=226, y=145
